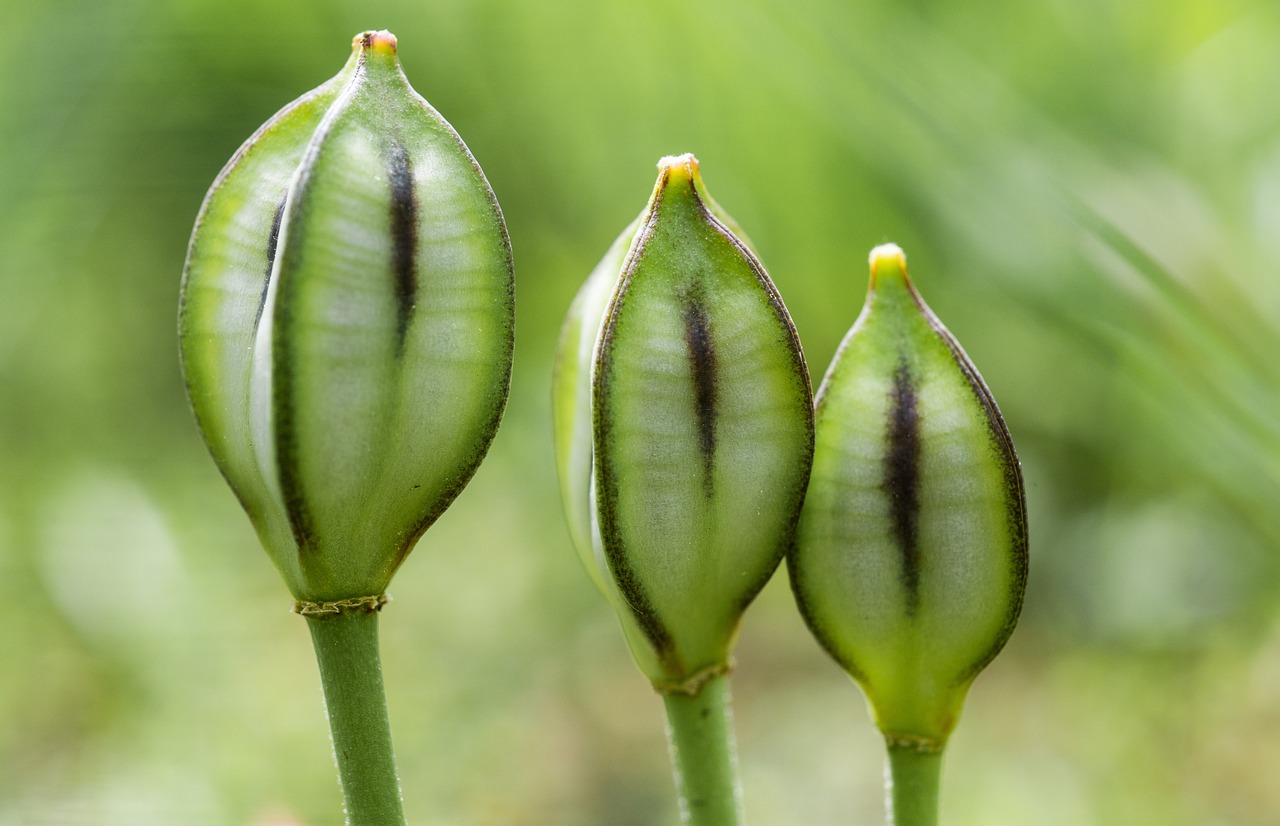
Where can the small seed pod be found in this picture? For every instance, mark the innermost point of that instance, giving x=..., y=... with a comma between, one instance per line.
x=910, y=557
x=684, y=429
x=346, y=325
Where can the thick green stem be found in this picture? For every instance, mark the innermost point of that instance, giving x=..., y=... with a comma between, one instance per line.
x=346, y=646
x=911, y=780
x=700, y=730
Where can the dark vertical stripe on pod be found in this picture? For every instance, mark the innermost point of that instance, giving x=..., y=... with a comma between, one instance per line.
x=607, y=493
x=295, y=502
x=286, y=464
x=629, y=585
x=702, y=364
x=272, y=241
x=902, y=478
x=404, y=240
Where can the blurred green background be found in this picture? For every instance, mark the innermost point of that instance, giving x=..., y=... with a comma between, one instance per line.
x=1089, y=194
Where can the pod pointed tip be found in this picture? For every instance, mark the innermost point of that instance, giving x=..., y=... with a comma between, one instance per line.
x=887, y=260
x=380, y=42
x=677, y=174
x=679, y=168
x=677, y=164
x=681, y=173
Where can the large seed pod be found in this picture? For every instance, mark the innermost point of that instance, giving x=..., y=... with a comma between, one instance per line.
x=571, y=400
x=911, y=553
x=346, y=324
x=684, y=428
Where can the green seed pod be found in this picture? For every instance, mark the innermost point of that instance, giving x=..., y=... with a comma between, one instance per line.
x=910, y=557
x=346, y=325
x=684, y=429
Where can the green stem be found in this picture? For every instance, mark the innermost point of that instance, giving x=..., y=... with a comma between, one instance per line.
x=346, y=646
x=700, y=730
x=912, y=778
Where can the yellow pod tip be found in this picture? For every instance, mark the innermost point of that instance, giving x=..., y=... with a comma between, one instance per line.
x=887, y=260
x=379, y=42
x=679, y=166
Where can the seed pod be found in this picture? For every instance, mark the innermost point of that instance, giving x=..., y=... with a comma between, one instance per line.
x=346, y=325
x=911, y=553
x=684, y=429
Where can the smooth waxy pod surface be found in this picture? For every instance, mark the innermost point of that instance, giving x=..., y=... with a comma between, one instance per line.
x=346, y=324
x=684, y=429
x=910, y=558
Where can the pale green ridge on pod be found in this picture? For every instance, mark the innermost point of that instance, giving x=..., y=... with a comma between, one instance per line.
x=910, y=558
x=346, y=324
x=571, y=402
x=701, y=434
